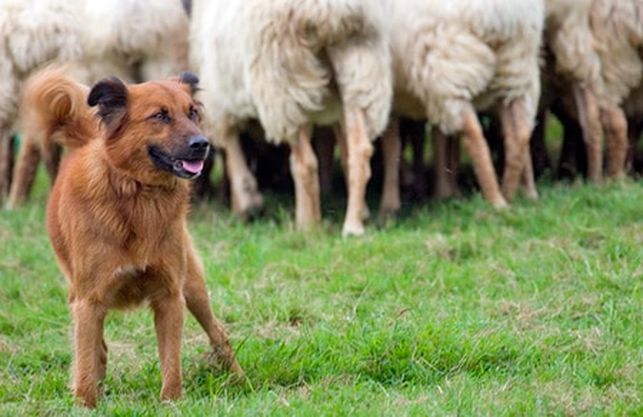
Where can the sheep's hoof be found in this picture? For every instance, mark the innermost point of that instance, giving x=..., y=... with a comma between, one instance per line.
x=532, y=195
x=366, y=213
x=388, y=213
x=253, y=212
x=308, y=225
x=500, y=204
x=446, y=193
x=352, y=229
x=618, y=177
x=250, y=207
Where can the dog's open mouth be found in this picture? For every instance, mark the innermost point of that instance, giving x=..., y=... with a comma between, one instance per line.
x=182, y=168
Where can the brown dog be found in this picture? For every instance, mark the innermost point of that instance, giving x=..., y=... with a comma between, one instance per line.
x=117, y=213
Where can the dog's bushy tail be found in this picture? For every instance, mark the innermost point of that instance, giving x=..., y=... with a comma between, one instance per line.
x=54, y=109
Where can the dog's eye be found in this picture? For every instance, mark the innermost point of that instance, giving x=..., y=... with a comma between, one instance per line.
x=162, y=116
x=193, y=114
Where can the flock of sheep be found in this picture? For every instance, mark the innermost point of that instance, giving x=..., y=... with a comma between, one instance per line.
x=356, y=65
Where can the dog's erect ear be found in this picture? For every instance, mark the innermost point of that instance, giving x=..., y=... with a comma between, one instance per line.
x=110, y=95
x=192, y=81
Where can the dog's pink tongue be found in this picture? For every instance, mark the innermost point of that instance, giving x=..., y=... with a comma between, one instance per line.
x=193, y=167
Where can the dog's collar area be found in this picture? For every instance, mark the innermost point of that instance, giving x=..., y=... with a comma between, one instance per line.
x=182, y=168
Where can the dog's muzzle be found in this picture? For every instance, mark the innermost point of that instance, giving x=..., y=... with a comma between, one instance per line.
x=187, y=164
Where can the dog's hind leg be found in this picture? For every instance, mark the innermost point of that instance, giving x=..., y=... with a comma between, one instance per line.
x=196, y=299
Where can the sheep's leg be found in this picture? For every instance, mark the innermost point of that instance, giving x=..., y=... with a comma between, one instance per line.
x=418, y=166
x=476, y=146
x=527, y=178
x=246, y=199
x=634, y=127
x=588, y=114
x=324, y=144
x=24, y=172
x=359, y=151
x=447, y=162
x=615, y=125
x=5, y=161
x=516, y=132
x=340, y=137
x=304, y=167
x=441, y=164
x=453, y=161
x=540, y=159
x=51, y=155
x=391, y=149
x=573, y=154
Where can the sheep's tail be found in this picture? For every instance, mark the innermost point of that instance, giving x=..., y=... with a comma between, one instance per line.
x=54, y=109
x=290, y=66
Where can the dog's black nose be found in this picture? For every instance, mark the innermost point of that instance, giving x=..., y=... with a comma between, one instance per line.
x=198, y=143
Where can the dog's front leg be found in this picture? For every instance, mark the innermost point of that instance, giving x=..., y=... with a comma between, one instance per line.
x=88, y=318
x=168, y=321
x=196, y=297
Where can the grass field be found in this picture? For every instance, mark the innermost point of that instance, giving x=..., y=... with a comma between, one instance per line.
x=454, y=310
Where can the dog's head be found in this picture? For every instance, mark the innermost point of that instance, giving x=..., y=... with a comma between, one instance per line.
x=152, y=129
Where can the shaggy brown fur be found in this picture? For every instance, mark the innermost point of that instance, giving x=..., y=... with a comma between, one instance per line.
x=117, y=214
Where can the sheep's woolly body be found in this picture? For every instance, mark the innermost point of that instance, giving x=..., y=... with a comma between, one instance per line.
x=32, y=33
x=153, y=33
x=618, y=32
x=597, y=44
x=104, y=37
x=449, y=54
x=291, y=62
x=569, y=35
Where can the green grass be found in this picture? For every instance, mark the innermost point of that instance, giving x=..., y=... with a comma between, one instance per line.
x=454, y=310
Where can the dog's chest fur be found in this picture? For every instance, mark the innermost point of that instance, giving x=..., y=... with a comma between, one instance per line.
x=146, y=218
x=145, y=231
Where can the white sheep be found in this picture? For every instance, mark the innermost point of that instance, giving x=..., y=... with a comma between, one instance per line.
x=617, y=28
x=128, y=38
x=454, y=58
x=575, y=70
x=291, y=64
x=596, y=47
